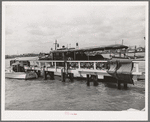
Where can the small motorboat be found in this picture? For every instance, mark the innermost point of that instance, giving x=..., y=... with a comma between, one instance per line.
x=17, y=71
x=21, y=75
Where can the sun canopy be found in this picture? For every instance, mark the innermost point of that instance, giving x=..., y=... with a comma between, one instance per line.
x=96, y=48
x=16, y=63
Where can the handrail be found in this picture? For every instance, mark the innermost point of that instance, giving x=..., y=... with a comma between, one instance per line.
x=45, y=61
x=88, y=61
x=81, y=64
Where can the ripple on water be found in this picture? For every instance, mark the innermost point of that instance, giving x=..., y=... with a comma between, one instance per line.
x=38, y=94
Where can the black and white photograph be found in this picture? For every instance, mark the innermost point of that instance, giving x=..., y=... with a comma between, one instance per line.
x=74, y=60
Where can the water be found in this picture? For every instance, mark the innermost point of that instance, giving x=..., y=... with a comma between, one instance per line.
x=39, y=94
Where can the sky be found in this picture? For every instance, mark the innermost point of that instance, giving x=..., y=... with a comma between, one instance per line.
x=33, y=28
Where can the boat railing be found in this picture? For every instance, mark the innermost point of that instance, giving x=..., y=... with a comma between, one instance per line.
x=79, y=64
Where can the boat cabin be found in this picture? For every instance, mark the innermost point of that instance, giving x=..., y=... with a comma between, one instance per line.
x=91, y=53
x=18, y=65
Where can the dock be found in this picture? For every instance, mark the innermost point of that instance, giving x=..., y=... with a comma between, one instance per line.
x=86, y=69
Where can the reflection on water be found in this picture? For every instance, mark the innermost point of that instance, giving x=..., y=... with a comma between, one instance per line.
x=39, y=94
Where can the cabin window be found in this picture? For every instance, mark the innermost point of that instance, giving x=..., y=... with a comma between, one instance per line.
x=57, y=54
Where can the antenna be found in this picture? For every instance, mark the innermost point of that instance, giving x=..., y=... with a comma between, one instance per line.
x=122, y=41
x=55, y=44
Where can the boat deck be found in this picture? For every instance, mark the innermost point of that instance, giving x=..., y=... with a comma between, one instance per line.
x=77, y=68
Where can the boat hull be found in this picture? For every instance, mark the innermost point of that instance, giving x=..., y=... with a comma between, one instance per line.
x=21, y=75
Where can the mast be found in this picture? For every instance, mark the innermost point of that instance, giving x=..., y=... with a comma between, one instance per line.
x=55, y=44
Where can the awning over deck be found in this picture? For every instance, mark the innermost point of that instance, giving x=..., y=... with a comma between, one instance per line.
x=95, y=48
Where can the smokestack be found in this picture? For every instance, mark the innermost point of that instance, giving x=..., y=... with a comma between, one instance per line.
x=77, y=46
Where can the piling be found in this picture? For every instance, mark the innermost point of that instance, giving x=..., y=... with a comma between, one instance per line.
x=119, y=84
x=39, y=73
x=125, y=85
x=71, y=76
x=36, y=74
x=44, y=74
x=96, y=80
x=62, y=75
x=88, y=81
x=51, y=75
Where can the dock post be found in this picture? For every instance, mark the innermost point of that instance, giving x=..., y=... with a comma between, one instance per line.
x=38, y=73
x=119, y=84
x=51, y=75
x=96, y=80
x=62, y=76
x=44, y=74
x=125, y=85
x=88, y=81
x=71, y=76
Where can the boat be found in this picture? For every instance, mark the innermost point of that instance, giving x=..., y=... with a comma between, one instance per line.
x=90, y=62
x=21, y=75
x=86, y=53
x=115, y=51
x=17, y=71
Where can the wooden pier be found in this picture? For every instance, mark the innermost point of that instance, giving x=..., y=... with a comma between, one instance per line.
x=69, y=69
